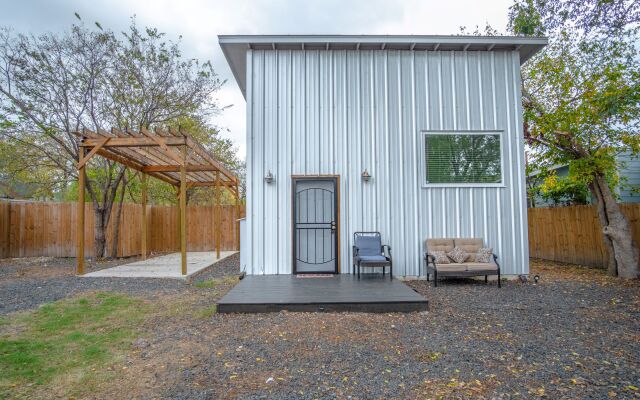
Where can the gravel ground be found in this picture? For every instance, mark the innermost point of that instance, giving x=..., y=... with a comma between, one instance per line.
x=576, y=334
x=29, y=282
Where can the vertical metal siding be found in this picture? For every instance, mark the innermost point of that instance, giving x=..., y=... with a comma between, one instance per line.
x=339, y=112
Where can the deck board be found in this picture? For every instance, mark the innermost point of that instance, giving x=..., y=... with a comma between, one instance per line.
x=272, y=293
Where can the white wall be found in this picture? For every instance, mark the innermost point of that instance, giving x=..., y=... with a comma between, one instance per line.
x=339, y=112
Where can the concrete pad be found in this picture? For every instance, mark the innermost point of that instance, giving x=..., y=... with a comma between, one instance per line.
x=167, y=266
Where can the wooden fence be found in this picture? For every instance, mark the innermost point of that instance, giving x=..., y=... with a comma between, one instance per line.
x=573, y=234
x=30, y=229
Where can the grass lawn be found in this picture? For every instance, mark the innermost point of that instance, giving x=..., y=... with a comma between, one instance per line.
x=68, y=345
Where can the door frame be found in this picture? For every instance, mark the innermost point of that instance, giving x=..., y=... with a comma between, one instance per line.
x=294, y=179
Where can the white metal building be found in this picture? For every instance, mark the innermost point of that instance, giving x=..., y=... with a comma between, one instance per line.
x=435, y=121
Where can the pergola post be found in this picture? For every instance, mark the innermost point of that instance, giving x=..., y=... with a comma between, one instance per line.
x=238, y=216
x=183, y=211
x=218, y=225
x=178, y=217
x=80, y=226
x=143, y=234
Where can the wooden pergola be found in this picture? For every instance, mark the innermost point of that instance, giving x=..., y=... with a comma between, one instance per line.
x=170, y=155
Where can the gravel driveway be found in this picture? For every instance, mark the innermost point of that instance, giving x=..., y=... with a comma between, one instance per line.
x=574, y=335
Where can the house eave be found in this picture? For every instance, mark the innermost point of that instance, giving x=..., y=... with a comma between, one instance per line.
x=234, y=47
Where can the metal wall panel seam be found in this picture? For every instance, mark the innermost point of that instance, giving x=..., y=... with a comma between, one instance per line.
x=428, y=126
x=441, y=109
x=374, y=141
x=468, y=105
x=248, y=250
x=509, y=135
x=399, y=93
x=495, y=126
x=415, y=168
x=524, y=243
x=455, y=127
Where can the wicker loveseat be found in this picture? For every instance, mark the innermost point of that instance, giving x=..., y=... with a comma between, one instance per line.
x=467, y=268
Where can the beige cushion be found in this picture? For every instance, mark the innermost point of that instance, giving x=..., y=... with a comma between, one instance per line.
x=470, y=245
x=439, y=244
x=468, y=266
x=481, y=266
x=452, y=267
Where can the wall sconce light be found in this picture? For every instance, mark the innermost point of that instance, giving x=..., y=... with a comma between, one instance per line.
x=268, y=178
x=366, y=176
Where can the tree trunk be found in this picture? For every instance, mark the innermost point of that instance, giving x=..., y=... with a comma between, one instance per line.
x=116, y=222
x=623, y=252
x=100, y=242
x=102, y=211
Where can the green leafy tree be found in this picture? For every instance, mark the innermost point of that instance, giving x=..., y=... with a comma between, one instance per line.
x=56, y=84
x=564, y=191
x=581, y=99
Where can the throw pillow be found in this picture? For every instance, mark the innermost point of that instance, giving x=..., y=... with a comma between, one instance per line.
x=458, y=255
x=440, y=257
x=484, y=255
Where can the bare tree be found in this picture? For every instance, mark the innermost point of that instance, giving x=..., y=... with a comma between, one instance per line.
x=54, y=85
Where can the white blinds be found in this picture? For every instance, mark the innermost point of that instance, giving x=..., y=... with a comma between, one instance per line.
x=467, y=158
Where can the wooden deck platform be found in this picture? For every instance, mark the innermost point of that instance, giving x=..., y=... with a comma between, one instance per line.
x=273, y=293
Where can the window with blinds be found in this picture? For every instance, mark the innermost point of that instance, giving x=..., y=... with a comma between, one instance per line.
x=462, y=158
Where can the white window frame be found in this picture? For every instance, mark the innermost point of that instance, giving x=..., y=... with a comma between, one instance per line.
x=423, y=172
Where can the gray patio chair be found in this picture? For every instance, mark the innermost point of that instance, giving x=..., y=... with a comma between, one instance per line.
x=368, y=251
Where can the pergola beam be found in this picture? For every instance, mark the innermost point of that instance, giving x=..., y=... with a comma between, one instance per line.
x=197, y=147
x=219, y=183
x=163, y=145
x=151, y=154
x=127, y=162
x=176, y=168
x=134, y=142
x=93, y=151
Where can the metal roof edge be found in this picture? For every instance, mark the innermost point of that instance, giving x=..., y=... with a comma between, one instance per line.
x=381, y=38
x=526, y=45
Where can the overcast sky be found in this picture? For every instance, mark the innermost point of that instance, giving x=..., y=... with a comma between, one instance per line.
x=200, y=21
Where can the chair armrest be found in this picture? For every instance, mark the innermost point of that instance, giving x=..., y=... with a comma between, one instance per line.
x=429, y=258
x=495, y=259
x=355, y=251
x=388, y=249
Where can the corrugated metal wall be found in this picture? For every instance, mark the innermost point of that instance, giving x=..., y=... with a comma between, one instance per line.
x=630, y=172
x=339, y=112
